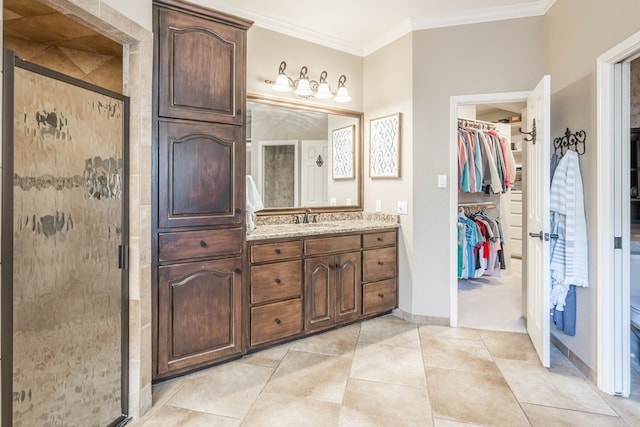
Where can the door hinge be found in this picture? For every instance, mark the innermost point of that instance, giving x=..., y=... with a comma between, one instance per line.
x=123, y=257
x=617, y=243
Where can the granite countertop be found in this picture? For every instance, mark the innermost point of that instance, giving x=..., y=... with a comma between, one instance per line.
x=276, y=229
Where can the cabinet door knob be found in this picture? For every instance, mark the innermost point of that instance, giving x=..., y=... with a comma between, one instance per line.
x=278, y=321
x=238, y=271
x=278, y=281
x=380, y=263
x=337, y=266
x=278, y=251
x=238, y=211
x=381, y=295
x=203, y=243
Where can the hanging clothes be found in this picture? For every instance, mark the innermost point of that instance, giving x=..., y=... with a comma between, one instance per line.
x=485, y=162
x=569, y=254
x=479, y=245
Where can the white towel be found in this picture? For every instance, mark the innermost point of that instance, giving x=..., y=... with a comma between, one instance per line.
x=569, y=255
x=254, y=202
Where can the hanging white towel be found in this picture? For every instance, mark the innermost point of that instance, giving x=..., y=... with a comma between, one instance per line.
x=254, y=201
x=569, y=257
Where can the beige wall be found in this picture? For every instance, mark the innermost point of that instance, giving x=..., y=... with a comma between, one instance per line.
x=576, y=33
x=491, y=57
x=388, y=89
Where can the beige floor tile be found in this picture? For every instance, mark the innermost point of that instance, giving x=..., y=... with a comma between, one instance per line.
x=227, y=390
x=447, y=332
x=163, y=391
x=312, y=375
x=473, y=397
x=390, y=330
x=509, y=345
x=338, y=342
x=375, y=404
x=270, y=357
x=169, y=416
x=388, y=364
x=544, y=416
x=463, y=355
x=531, y=383
x=439, y=422
x=272, y=409
x=627, y=408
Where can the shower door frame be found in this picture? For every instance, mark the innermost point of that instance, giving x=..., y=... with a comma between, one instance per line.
x=10, y=61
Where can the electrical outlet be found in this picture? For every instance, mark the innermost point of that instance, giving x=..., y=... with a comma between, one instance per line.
x=378, y=205
x=333, y=201
x=403, y=207
x=348, y=201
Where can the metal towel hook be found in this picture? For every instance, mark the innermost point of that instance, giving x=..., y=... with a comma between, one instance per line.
x=532, y=134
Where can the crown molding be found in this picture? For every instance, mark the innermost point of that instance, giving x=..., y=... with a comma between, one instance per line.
x=529, y=9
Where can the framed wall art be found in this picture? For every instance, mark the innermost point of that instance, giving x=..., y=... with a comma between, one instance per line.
x=343, y=153
x=384, y=147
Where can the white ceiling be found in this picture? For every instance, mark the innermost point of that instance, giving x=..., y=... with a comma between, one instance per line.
x=361, y=27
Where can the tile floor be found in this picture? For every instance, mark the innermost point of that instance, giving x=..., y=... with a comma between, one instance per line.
x=388, y=372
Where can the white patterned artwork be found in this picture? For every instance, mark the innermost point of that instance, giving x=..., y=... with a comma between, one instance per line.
x=343, y=149
x=385, y=147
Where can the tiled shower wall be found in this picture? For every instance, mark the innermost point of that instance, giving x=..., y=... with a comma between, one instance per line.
x=635, y=93
x=136, y=75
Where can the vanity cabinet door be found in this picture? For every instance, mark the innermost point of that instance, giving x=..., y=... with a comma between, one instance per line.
x=347, y=286
x=201, y=68
x=318, y=281
x=199, y=314
x=199, y=168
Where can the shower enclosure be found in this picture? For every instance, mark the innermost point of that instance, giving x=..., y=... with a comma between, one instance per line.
x=64, y=258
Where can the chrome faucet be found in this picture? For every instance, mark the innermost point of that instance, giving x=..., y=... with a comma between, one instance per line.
x=305, y=218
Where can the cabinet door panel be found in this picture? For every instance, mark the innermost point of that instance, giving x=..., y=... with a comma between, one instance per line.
x=198, y=173
x=348, y=286
x=199, y=313
x=201, y=69
x=318, y=298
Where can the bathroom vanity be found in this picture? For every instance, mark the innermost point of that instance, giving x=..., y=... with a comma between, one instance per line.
x=305, y=278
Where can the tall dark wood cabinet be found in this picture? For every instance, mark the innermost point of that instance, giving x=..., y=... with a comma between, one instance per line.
x=198, y=192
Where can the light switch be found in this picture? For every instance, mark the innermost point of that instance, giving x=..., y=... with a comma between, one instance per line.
x=442, y=181
x=403, y=208
x=378, y=205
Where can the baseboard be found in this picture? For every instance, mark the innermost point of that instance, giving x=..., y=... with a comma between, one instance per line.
x=573, y=358
x=421, y=320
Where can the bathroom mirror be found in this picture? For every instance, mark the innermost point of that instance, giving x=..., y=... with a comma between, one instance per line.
x=302, y=156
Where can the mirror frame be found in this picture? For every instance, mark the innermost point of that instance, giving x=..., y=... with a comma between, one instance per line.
x=279, y=102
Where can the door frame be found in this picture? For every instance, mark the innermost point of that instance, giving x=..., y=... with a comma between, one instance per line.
x=454, y=103
x=612, y=273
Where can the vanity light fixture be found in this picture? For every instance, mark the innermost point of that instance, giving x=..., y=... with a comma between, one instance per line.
x=306, y=88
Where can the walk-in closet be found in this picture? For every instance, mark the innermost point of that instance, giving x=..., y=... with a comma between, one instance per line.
x=490, y=217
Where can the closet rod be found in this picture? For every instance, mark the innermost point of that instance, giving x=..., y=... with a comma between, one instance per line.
x=477, y=204
x=475, y=123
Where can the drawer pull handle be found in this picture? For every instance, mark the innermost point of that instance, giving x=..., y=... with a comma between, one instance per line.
x=380, y=263
x=380, y=239
x=278, y=281
x=381, y=295
x=278, y=321
x=203, y=243
x=278, y=251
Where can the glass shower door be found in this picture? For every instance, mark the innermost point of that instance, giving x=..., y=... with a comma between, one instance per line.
x=69, y=332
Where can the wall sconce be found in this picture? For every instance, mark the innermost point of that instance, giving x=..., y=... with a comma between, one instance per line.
x=307, y=88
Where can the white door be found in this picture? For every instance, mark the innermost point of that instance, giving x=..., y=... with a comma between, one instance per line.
x=538, y=217
x=314, y=178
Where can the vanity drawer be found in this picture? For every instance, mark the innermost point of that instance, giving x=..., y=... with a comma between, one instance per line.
x=378, y=297
x=276, y=251
x=271, y=282
x=199, y=244
x=332, y=244
x=378, y=264
x=275, y=321
x=375, y=240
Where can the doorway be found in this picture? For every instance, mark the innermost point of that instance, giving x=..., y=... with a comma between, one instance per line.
x=491, y=297
x=614, y=217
